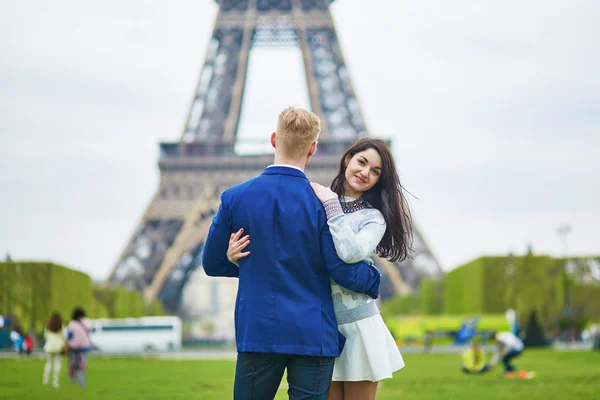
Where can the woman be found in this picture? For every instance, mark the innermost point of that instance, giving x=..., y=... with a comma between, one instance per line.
x=79, y=344
x=54, y=346
x=366, y=212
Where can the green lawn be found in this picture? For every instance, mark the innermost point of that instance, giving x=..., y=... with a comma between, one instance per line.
x=560, y=375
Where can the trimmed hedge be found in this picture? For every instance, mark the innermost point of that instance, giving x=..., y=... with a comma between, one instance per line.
x=32, y=290
x=585, y=300
x=491, y=285
x=527, y=283
x=122, y=303
x=98, y=309
x=464, y=289
x=494, y=284
x=431, y=294
x=400, y=305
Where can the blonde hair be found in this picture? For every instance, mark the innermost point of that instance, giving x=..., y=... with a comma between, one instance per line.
x=297, y=129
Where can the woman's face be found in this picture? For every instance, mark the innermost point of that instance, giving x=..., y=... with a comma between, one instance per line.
x=362, y=172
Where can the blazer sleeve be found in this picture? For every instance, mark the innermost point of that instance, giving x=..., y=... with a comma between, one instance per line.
x=214, y=256
x=360, y=277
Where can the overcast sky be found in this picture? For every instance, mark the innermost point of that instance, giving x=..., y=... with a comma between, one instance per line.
x=493, y=108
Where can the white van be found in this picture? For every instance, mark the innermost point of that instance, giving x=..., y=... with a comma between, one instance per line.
x=136, y=335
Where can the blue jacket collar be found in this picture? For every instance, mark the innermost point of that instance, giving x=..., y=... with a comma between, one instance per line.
x=284, y=171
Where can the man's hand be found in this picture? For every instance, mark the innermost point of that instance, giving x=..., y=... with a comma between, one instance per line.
x=236, y=245
x=323, y=193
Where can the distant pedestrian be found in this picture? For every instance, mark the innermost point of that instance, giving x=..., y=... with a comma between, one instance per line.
x=16, y=337
x=28, y=344
x=54, y=347
x=509, y=346
x=474, y=360
x=79, y=344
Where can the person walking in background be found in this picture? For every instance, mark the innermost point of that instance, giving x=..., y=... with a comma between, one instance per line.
x=16, y=337
x=79, y=344
x=54, y=347
x=284, y=316
x=28, y=344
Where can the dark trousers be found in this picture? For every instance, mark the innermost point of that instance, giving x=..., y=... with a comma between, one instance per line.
x=506, y=360
x=258, y=375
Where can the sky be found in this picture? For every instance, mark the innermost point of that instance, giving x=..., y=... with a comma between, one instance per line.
x=493, y=108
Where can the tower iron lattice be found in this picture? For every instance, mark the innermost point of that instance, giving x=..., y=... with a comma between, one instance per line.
x=165, y=249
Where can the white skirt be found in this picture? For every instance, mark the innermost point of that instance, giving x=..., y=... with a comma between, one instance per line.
x=370, y=353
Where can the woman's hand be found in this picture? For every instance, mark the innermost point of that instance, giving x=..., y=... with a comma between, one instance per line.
x=323, y=193
x=236, y=245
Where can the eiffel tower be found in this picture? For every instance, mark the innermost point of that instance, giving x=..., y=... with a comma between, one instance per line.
x=165, y=250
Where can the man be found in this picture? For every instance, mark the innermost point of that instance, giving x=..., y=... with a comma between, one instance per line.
x=509, y=346
x=284, y=315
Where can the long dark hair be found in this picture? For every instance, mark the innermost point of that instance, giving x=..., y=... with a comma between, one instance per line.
x=55, y=322
x=387, y=196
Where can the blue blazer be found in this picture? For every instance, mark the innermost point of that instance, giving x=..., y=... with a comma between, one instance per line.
x=284, y=300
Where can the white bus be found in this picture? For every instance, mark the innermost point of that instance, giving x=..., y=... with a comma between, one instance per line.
x=136, y=335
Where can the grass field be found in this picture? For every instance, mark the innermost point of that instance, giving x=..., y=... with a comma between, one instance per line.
x=560, y=375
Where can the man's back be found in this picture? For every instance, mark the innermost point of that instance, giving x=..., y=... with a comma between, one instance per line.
x=284, y=220
x=284, y=298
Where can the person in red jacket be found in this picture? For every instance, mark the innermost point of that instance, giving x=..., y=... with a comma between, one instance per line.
x=28, y=344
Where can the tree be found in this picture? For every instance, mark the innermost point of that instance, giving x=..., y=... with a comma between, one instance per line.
x=534, y=335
